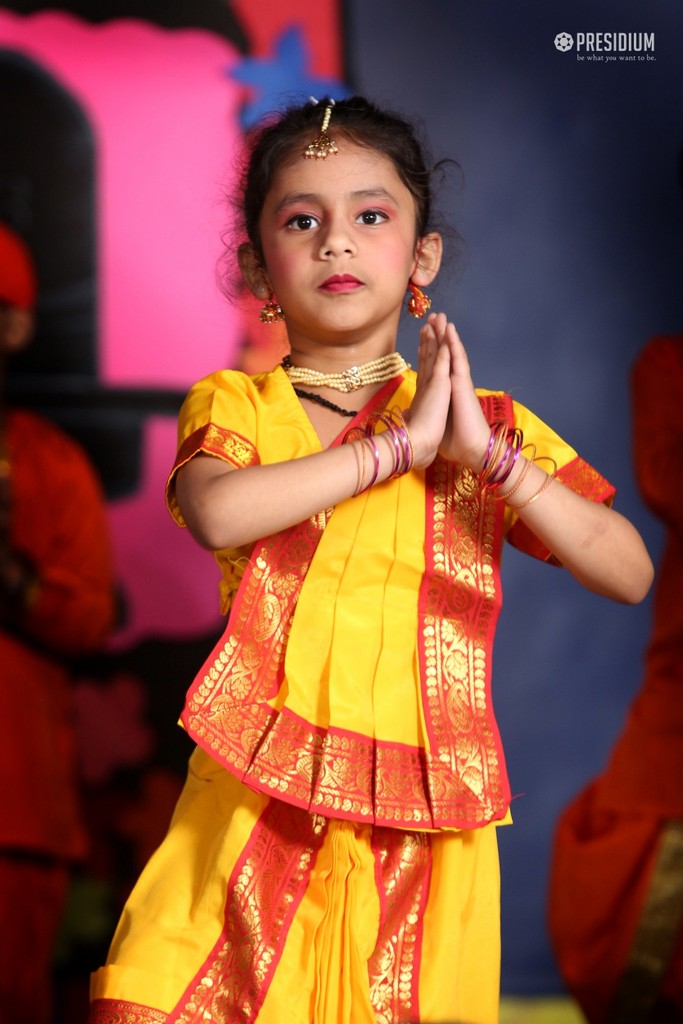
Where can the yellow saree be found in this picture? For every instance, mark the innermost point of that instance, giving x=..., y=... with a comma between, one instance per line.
x=333, y=856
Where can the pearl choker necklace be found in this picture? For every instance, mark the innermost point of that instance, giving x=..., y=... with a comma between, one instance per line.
x=374, y=372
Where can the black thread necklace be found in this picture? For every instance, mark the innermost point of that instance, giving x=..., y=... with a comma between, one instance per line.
x=325, y=402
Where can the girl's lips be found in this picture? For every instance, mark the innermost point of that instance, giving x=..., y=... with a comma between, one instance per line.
x=341, y=283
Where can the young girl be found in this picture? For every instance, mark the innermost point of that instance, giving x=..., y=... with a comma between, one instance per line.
x=333, y=856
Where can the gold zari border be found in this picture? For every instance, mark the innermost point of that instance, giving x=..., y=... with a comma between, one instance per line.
x=216, y=440
x=404, y=862
x=118, y=1011
x=264, y=891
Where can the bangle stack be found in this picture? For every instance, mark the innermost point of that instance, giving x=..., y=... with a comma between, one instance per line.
x=396, y=432
x=504, y=448
x=501, y=456
x=546, y=483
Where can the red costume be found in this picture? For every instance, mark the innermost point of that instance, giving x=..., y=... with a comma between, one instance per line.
x=616, y=895
x=58, y=525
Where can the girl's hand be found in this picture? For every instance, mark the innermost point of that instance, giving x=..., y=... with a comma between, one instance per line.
x=429, y=410
x=467, y=432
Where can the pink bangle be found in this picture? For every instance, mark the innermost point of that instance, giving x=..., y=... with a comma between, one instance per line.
x=408, y=454
x=398, y=436
x=370, y=431
x=492, y=459
x=400, y=427
x=502, y=453
x=511, y=455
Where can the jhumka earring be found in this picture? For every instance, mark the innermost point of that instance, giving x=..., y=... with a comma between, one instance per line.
x=271, y=312
x=418, y=304
x=322, y=146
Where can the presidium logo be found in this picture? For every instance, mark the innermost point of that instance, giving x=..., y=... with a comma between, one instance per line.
x=609, y=47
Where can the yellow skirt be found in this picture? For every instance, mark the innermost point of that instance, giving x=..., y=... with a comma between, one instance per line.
x=256, y=912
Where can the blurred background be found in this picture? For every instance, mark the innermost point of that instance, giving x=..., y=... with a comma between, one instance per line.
x=120, y=133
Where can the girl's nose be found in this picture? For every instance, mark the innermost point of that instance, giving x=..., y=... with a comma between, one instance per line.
x=337, y=240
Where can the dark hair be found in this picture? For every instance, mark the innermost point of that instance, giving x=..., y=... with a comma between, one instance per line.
x=355, y=119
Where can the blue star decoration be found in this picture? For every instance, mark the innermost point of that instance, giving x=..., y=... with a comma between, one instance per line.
x=282, y=79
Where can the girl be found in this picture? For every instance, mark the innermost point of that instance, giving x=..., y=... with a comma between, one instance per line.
x=333, y=856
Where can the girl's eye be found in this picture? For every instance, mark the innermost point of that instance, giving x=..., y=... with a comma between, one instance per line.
x=372, y=217
x=302, y=222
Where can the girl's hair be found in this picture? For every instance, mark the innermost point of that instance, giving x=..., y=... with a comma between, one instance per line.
x=357, y=120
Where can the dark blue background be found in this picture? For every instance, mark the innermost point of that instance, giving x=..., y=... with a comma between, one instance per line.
x=570, y=207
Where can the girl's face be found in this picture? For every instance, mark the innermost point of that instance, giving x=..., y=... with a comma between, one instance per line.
x=339, y=247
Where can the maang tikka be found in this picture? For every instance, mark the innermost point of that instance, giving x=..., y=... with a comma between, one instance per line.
x=322, y=146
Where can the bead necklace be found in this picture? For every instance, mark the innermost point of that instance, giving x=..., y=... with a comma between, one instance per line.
x=325, y=402
x=374, y=372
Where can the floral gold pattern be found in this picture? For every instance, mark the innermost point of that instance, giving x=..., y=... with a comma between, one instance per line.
x=247, y=664
x=117, y=1011
x=264, y=891
x=459, y=606
x=404, y=871
x=214, y=440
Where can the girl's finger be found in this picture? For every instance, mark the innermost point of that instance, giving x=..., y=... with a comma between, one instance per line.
x=427, y=349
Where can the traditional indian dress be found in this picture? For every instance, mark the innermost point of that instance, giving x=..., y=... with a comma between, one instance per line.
x=333, y=857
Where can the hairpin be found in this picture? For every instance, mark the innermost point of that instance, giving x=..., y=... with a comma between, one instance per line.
x=322, y=146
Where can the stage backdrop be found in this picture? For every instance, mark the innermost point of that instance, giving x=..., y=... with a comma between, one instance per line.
x=566, y=254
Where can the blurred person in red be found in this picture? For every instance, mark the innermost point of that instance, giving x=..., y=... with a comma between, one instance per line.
x=616, y=892
x=56, y=603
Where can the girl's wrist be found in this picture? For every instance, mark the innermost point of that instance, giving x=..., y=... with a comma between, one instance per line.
x=475, y=458
x=383, y=449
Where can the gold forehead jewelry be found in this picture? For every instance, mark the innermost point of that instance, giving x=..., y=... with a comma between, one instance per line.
x=322, y=146
x=374, y=372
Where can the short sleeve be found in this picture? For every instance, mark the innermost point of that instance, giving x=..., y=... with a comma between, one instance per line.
x=572, y=471
x=218, y=417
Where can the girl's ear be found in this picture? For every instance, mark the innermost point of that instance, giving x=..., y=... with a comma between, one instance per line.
x=253, y=271
x=428, y=259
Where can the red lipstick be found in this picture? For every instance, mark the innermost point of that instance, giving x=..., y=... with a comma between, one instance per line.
x=341, y=283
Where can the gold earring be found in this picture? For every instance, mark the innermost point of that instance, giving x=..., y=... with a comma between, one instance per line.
x=271, y=312
x=418, y=303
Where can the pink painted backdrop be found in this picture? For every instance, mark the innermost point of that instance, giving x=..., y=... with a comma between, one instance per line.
x=165, y=115
x=164, y=111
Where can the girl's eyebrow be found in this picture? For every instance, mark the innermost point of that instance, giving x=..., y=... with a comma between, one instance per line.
x=375, y=193
x=301, y=198
x=296, y=199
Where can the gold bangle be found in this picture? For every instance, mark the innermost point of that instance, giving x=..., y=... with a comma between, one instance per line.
x=357, y=434
x=523, y=472
x=361, y=467
x=546, y=483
